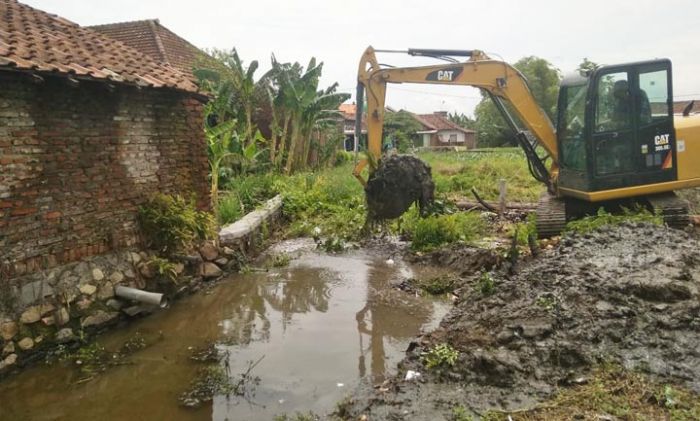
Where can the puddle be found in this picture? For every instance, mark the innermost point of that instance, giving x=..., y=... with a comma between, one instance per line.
x=324, y=324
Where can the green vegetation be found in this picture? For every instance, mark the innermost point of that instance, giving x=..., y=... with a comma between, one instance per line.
x=543, y=80
x=485, y=285
x=299, y=117
x=330, y=203
x=434, y=231
x=460, y=413
x=401, y=128
x=613, y=392
x=438, y=285
x=171, y=223
x=298, y=416
x=278, y=260
x=455, y=173
x=163, y=268
x=603, y=218
x=210, y=381
x=439, y=356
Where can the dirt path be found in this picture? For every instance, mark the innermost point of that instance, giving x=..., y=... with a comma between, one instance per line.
x=626, y=295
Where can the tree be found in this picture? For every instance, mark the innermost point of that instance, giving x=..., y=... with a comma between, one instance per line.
x=587, y=66
x=401, y=127
x=298, y=107
x=462, y=120
x=234, y=88
x=543, y=80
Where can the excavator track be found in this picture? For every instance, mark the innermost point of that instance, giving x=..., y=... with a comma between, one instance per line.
x=673, y=209
x=550, y=216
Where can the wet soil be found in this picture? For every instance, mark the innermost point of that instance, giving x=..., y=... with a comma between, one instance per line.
x=399, y=182
x=627, y=295
x=312, y=332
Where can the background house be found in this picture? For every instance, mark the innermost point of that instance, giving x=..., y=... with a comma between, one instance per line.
x=439, y=131
x=151, y=38
x=89, y=129
x=348, y=112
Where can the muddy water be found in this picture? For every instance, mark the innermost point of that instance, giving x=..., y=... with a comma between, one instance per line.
x=322, y=325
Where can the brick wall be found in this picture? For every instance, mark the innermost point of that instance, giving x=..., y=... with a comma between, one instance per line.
x=76, y=162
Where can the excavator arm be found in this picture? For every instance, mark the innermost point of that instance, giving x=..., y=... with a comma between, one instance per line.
x=503, y=82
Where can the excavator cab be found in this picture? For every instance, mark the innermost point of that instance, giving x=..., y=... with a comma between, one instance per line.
x=615, y=128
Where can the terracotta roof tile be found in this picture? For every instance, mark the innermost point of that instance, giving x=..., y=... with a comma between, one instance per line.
x=438, y=121
x=154, y=39
x=36, y=41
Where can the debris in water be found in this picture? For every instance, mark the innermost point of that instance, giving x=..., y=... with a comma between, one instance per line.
x=412, y=375
x=400, y=181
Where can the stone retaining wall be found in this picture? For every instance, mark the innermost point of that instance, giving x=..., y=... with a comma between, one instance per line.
x=59, y=305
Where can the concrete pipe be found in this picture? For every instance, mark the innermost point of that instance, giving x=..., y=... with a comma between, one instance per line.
x=141, y=296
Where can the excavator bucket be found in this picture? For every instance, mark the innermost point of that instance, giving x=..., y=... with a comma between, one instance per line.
x=400, y=181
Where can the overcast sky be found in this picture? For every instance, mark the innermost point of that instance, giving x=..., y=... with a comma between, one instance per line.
x=337, y=32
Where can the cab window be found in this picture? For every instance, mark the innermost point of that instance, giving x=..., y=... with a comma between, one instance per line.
x=571, y=127
x=653, y=96
x=615, y=103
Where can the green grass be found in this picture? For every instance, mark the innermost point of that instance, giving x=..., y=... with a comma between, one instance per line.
x=243, y=194
x=332, y=201
x=603, y=218
x=438, y=230
x=612, y=391
x=455, y=173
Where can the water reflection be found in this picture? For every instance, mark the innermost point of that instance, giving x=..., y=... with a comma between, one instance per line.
x=384, y=317
x=322, y=321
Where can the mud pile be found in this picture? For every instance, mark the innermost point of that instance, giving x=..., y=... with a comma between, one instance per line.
x=400, y=181
x=627, y=295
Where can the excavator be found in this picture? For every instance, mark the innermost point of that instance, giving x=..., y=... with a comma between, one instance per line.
x=616, y=142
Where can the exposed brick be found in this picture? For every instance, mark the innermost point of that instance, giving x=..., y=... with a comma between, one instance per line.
x=52, y=215
x=71, y=174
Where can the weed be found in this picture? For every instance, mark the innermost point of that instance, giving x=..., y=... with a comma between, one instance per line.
x=616, y=393
x=299, y=416
x=135, y=343
x=210, y=381
x=440, y=355
x=278, y=260
x=485, y=285
x=164, y=268
x=603, y=218
x=460, y=413
x=546, y=302
x=438, y=286
x=332, y=244
x=171, y=223
x=230, y=208
x=435, y=231
x=456, y=173
x=91, y=359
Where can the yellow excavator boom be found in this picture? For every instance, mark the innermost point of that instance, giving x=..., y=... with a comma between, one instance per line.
x=496, y=77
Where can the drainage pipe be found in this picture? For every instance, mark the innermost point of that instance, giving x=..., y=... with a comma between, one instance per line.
x=141, y=296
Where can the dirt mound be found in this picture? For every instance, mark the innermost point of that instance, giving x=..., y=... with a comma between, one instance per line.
x=462, y=259
x=627, y=295
x=400, y=181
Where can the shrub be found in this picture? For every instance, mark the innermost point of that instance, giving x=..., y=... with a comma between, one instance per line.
x=435, y=231
x=171, y=223
x=485, y=284
x=440, y=355
x=603, y=218
x=342, y=157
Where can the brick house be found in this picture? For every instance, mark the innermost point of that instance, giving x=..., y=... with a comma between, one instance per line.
x=439, y=131
x=89, y=129
x=160, y=43
x=349, y=111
